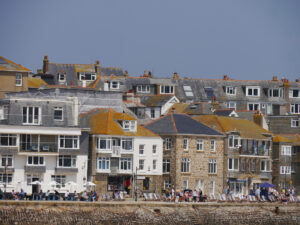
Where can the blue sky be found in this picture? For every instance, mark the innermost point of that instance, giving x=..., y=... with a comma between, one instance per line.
x=250, y=39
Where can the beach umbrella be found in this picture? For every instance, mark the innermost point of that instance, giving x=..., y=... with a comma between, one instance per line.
x=71, y=183
x=36, y=183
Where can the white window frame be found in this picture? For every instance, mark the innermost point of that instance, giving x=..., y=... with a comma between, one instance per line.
x=19, y=79
x=185, y=165
x=294, y=122
x=125, y=164
x=286, y=150
x=285, y=170
x=253, y=165
x=185, y=184
x=154, y=164
x=5, y=159
x=291, y=93
x=142, y=164
x=212, y=145
x=125, y=145
x=254, y=104
x=170, y=87
x=252, y=88
x=82, y=76
x=231, y=105
x=61, y=179
x=235, y=138
x=61, y=77
x=12, y=140
x=115, y=85
x=295, y=108
x=105, y=140
x=264, y=165
x=185, y=144
x=200, y=144
x=30, y=177
x=212, y=166
x=62, y=113
x=143, y=88
x=72, y=158
x=234, y=164
x=166, y=166
x=154, y=149
x=142, y=149
x=39, y=160
x=168, y=143
x=104, y=161
x=230, y=90
x=129, y=125
x=35, y=116
x=152, y=113
x=271, y=92
x=62, y=142
x=6, y=178
x=167, y=184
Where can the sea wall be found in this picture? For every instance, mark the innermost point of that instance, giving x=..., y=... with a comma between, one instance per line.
x=25, y=212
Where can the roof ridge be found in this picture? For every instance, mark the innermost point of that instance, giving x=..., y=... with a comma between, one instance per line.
x=174, y=124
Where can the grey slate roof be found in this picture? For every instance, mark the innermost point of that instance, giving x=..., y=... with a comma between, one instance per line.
x=68, y=69
x=223, y=112
x=157, y=100
x=108, y=71
x=180, y=124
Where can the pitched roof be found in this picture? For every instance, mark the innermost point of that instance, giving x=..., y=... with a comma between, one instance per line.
x=109, y=71
x=246, y=128
x=105, y=121
x=7, y=65
x=223, y=112
x=156, y=100
x=294, y=138
x=279, y=138
x=34, y=82
x=180, y=124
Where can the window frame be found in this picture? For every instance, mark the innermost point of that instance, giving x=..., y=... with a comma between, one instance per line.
x=234, y=164
x=125, y=162
x=143, y=88
x=168, y=143
x=57, y=108
x=170, y=87
x=8, y=159
x=104, y=161
x=35, y=116
x=75, y=139
x=12, y=140
x=295, y=122
x=295, y=108
x=230, y=90
x=185, y=165
x=141, y=149
x=141, y=164
x=212, y=166
x=213, y=145
x=19, y=79
x=254, y=104
x=200, y=143
x=185, y=144
x=32, y=160
x=252, y=88
x=271, y=92
x=166, y=166
x=62, y=158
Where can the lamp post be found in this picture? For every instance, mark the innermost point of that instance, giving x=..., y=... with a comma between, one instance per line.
x=135, y=184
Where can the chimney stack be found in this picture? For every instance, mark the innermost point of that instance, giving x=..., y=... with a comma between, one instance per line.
x=175, y=76
x=145, y=73
x=97, y=66
x=125, y=73
x=45, y=64
x=149, y=74
x=297, y=80
x=225, y=77
x=274, y=78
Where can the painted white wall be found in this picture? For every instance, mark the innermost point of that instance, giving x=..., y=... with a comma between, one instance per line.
x=157, y=112
x=19, y=179
x=148, y=155
x=165, y=108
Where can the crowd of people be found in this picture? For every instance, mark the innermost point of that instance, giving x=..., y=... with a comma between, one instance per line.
x=50, y=195
x=187, y=195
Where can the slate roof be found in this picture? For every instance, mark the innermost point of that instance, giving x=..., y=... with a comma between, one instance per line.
x=223, y=112
x=156, y=100
x=7, y=65
x=109, y=71
x=105, y=122
x=180, y=124
x=294, y=138
x=246, y=128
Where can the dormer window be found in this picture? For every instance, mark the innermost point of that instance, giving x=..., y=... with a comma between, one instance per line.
x=61, y=77
x=230, y=90
x=253, y=91
x=294, y=93
x=234, y=141
x=87, y=76
x=114, y=84
x=129, y=125
x=275, y=92
x=167, y=89
x=143, y=89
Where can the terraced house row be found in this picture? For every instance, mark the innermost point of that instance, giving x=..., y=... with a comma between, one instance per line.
x=71, y=124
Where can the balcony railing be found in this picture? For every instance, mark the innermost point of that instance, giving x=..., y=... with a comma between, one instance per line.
x=39, y=147
x=260, y=151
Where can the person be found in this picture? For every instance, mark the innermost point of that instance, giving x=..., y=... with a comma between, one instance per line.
x=75, y=196
x=257, y=193
x=22, y=194
x=66, y=195
x=57, y=196
x=41, y=194
x=200, y=196
x=47, y=195
x=195, y=195
x=13, y=195
x=173, y=192
x=95, y=197
x=2, y=194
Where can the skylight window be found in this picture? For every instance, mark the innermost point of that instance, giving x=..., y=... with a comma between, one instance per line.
x=188, y=91
x=209, y=92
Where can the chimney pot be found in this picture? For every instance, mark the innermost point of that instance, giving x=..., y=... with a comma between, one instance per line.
x=297, y=80
x=274, y=78
x=149, y=74
x=225, y=77
x=175, y=75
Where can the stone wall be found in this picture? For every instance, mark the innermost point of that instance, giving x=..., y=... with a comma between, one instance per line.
x=146, y=213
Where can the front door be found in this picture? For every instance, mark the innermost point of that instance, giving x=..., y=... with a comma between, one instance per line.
x=35, y=187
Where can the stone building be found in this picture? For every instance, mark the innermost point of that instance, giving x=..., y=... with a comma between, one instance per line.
x=247, y=152
x=119, y=149
x=13, y=77
x=192, y=153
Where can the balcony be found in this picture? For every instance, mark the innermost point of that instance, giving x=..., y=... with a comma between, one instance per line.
x=39, y=147
x=116, y=151
x=35, y=169
x=260, y=151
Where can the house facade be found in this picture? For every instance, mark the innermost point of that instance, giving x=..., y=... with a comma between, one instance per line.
x=13, y=77
x=192, y=153
x=123, y=154
x=247, y=152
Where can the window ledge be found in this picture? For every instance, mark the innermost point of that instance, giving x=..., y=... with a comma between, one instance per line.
x=186, y=173
x=212, y=174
